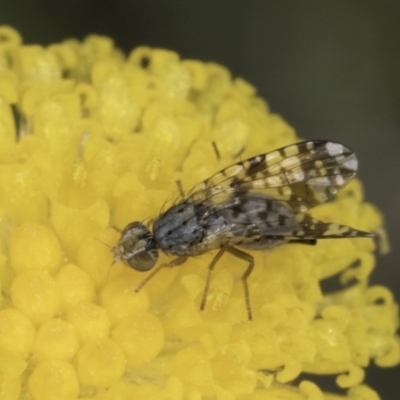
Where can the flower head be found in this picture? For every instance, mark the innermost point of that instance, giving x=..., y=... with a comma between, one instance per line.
x=91, y=140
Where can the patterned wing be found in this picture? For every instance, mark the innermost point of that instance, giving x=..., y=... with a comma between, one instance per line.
x=258, y=222
x=302, y=175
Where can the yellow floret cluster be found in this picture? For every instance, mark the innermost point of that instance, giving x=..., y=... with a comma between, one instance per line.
x=91, y=140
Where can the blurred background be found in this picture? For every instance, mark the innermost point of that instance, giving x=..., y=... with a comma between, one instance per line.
x=331, y=68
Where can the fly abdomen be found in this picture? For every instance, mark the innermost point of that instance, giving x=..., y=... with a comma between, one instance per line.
x=257, y=219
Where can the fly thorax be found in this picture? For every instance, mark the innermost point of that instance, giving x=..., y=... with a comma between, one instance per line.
x=179, y=229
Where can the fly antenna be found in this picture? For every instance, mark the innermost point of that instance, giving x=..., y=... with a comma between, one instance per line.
x=114, y=259
x=105, y=244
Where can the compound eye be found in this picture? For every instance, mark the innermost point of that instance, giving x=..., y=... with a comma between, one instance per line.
x=143, y=261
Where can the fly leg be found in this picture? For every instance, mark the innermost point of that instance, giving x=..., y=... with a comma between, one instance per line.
x=180, y=188
x=247, y=257
x=173, y=263
x=210, y=269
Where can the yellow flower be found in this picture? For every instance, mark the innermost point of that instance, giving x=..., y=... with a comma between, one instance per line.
x=91, y=140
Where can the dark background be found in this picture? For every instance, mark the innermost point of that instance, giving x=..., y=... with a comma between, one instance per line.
x=330, y=67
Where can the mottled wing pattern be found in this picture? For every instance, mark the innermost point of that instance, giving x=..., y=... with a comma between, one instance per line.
x=308, y=227
x=302, y=175
x=255, y=221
